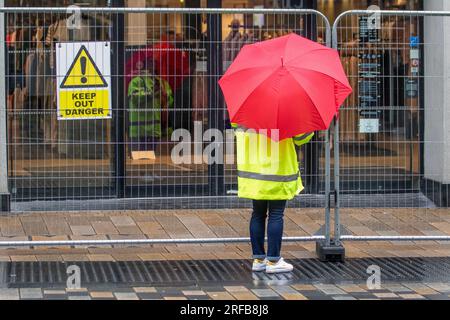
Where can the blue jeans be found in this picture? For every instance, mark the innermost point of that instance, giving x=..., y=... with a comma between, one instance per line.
x=274, y=228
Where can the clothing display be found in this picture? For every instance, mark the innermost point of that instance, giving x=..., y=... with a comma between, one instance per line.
x=85, y=133
x=16, y=102
x=148, y=95
x=16, y=90
x=31, y=83
x=233, y=43
x=36, y=67
x=58, y=32
x=231, y=46
x=90, y=29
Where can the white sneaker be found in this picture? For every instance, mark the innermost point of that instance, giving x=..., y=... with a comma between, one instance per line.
x=279, y=267
x=259, y=265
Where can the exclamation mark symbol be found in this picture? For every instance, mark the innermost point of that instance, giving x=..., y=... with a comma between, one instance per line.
x=83, y=62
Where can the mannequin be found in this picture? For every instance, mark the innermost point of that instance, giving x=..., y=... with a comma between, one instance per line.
x=149, y=98
x=232, y=44
x=231, y=47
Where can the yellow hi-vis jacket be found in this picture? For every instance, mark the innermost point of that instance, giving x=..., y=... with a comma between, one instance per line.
x=268, y=170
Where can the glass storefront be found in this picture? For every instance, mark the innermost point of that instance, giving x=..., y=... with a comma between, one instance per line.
x=380, y=122
x=79, y=159
x=50, y=158
x=194, y=106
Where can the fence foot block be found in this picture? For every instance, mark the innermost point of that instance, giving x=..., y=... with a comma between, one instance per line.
x=330, y=253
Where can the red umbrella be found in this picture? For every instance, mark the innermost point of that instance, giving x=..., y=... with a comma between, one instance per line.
x=170, y=63
x=288, y=83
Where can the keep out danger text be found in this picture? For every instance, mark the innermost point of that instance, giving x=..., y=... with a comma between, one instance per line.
x=84, y=104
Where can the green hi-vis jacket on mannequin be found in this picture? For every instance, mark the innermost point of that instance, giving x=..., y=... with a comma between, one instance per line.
x=146, y=94
x=268, y=170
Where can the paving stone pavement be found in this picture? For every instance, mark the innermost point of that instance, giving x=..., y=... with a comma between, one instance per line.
x=214, y=223
x=220, y=223
x=245, y=292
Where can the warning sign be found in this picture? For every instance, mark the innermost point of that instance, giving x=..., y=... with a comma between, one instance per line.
x=84, y=81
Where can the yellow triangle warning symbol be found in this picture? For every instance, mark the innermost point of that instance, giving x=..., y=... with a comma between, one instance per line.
x=83, y=73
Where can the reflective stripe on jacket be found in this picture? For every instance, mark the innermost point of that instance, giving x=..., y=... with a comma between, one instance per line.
x=268, y=170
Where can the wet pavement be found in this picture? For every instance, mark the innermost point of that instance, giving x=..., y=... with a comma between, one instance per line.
x=400, y=278
x=407, y=269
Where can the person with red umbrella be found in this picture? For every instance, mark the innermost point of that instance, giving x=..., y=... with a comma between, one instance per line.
x=278, y=92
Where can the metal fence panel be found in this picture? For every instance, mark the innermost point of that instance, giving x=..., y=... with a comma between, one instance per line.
x=389, y=143
x=96, y=164
x=89, y=164
x=391, y=134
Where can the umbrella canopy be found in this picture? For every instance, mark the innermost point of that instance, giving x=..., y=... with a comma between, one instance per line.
x=170, y=63
x=288, y=83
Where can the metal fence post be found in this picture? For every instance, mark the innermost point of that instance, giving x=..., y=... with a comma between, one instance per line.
x=329, y=250
x=337, y=250
x=327, y=188
x=119, y=112
x=5, y=197
x=336, y=155
x=216, y=179
x=337, y=220
x=332, y=249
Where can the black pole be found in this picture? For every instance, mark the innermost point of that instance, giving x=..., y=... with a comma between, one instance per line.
x=215, y=101
x=118, y=98
x=192, y=22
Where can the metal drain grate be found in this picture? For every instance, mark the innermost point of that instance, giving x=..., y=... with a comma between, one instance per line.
x=164, y=273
